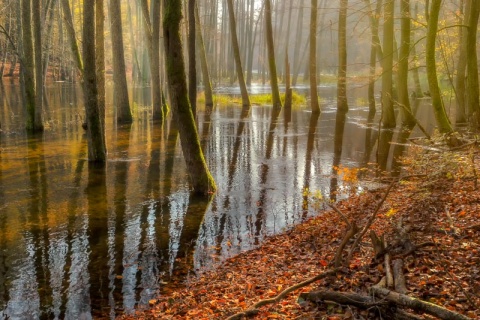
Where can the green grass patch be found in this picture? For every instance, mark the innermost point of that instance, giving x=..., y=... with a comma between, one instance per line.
x=258, y=99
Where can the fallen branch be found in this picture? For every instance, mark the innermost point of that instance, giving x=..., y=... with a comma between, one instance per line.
x=357, y=300
x=351, y=232
x=417, y=304
x=399, y=277
x=369, y=223
x=254, y=309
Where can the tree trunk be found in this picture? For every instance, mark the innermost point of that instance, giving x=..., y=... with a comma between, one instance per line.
x=28, y=64
x=402, y=85
x=298, y=40
x=440, y=115
x=202, y=181
x=152, y=33
x=342, y=103
x=37, y=34
x=388, y=115
x=203, y=62
x=461, y=114
x=192, y=70
x=271, y=56
x=236, y=55
x=95, y=135
x=100, y=58
x=67, y=16
x=120, y=88
x=472, y=66
x=375, y=47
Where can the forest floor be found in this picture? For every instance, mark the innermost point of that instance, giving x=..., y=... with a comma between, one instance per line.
x=437, y=202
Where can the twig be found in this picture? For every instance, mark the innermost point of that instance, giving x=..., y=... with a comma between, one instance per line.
x=254, y=309
x=369, y=222
x=334, y=207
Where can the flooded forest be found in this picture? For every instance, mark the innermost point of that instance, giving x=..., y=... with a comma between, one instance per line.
x=143, y=141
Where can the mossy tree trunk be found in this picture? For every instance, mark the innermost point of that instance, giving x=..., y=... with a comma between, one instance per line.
x=120, y=88
x=271, y=56
x=314, y=105
x=402, y=85
x=201, y=179
x=95, y=135
x=203, y=62
x=441, y=117
x=342, y=103
x=388, y=115
x=236, y=54
x=472, y=66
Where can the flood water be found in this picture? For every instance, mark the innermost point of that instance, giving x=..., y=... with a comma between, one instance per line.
x=79, y=242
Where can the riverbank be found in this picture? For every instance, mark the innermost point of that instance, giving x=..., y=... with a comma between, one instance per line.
x=437, y=203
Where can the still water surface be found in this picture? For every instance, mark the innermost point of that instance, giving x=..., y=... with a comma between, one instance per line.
x=79, y=242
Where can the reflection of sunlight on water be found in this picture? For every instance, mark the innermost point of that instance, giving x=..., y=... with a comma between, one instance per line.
x=111, y=242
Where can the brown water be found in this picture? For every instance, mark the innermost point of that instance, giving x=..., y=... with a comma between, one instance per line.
x=79, y=242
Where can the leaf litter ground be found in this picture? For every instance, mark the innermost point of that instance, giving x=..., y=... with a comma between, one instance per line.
x=445, y=211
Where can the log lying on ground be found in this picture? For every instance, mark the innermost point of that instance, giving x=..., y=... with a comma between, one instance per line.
x=359, y=301
x=416, y=304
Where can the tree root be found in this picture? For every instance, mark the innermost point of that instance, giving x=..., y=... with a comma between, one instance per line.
x=254, y=309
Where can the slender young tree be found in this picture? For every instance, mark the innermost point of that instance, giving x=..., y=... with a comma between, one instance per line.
x=37, y=34
x=192, y=69
x=277, y=103
x=441, y=117
x=236, y=55
x=152, y=32
x=95, y=135
x=461, y=114
x=120, y=89
x=67, y=16
x=375, y=50
x=388, y=116
x=203, y=61
x=28, y=66
x=472, y=66
x=402, y=85
x=100, y=57
x=201, y=179
x=342, y=103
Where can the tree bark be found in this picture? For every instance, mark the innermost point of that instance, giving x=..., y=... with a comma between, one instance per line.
x=120, y=88
x=192, y=69
x=152, y=34
x=271, y=56
x=203, y=62
x=67, y=16
x=402, y=85
x=202, y=181
x=472, y=66
x=37, y=34
x=461, y=114
x=100, y=57
x=236, y=55
x=28, y=66
x=95, y=135
x=342, y=103
x=388, y=115
x=375, y=50
x=440, y=115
